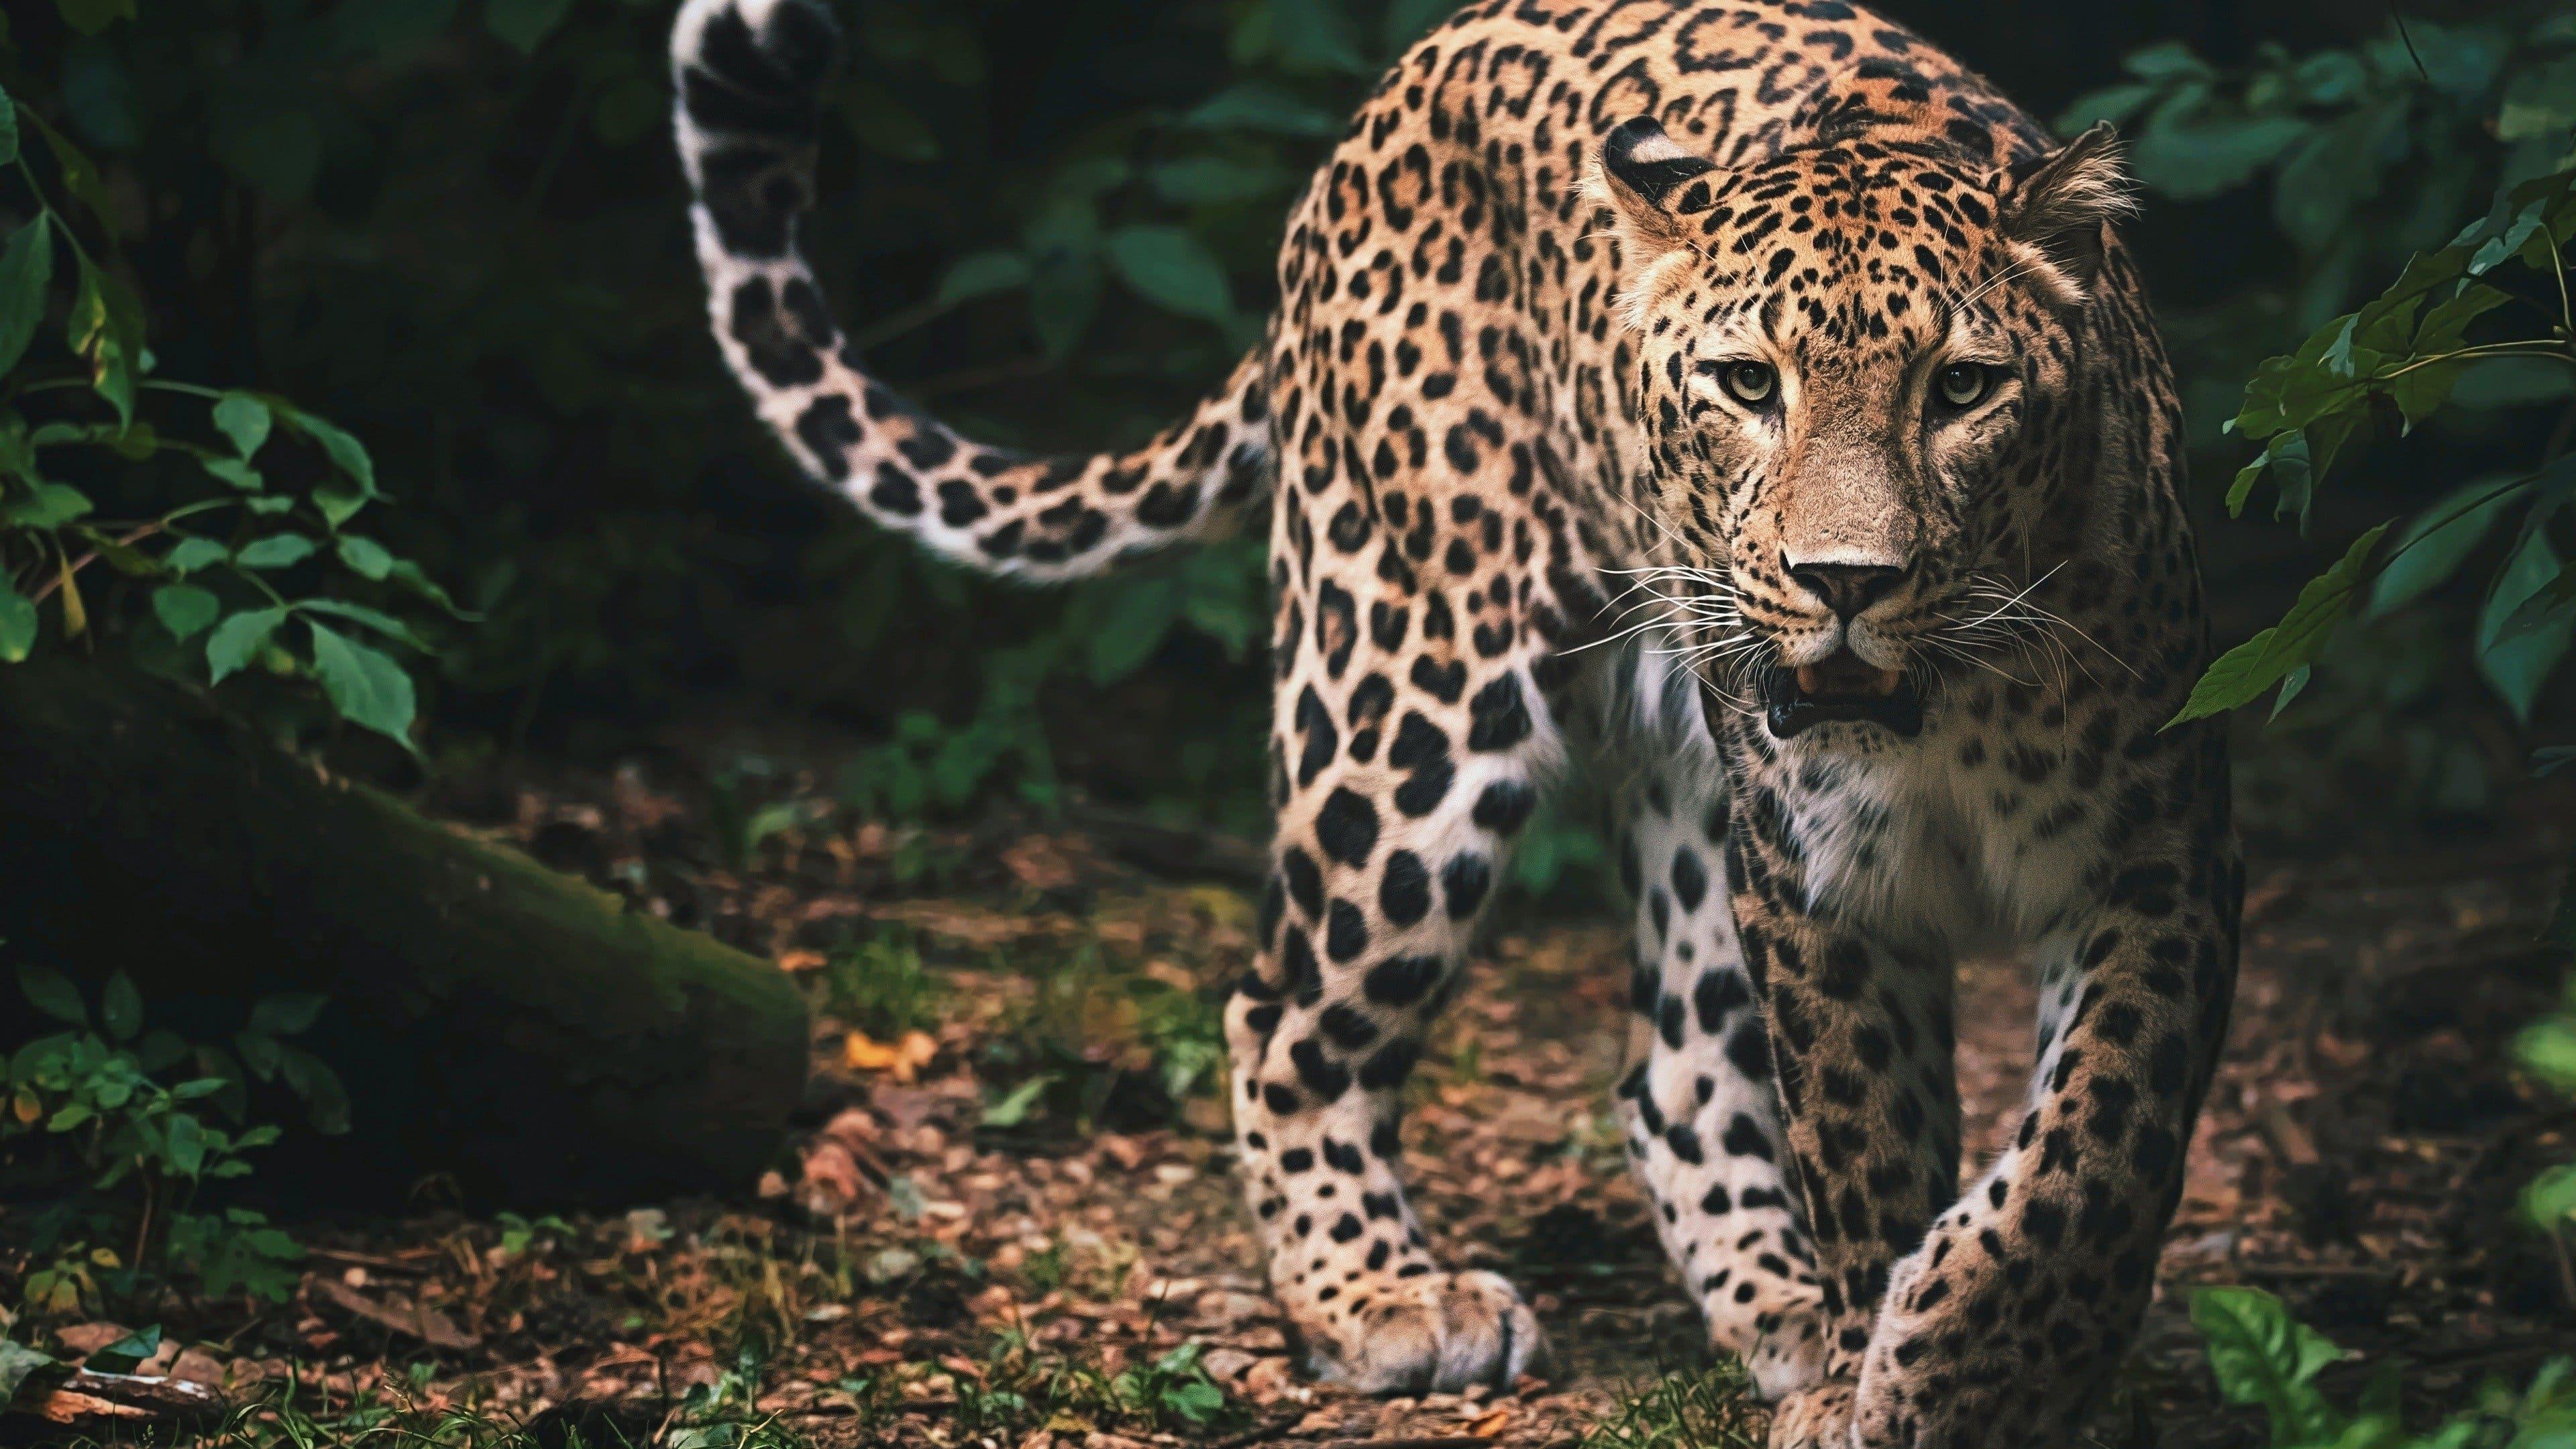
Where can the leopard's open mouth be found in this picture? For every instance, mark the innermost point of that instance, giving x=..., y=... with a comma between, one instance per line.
x=1845, y=687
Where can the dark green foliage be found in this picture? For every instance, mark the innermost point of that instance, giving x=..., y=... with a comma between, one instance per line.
x=111, y=1109
x=2370, y=157
x=2262, y=1356
x=1709, y=1407
x=167, y=485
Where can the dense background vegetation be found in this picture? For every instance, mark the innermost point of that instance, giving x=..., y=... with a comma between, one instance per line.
x=455, y=226
x=351, y=359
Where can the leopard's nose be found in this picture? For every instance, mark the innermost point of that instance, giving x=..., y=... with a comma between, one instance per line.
x=1847, y=588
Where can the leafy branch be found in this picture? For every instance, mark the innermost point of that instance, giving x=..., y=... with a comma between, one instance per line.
x=2399, y=358
x=239, y=586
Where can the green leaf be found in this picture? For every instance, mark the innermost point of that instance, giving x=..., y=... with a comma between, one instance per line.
x=2261, y=1355
x=2548, y=1049
x=107, y=331
x=2166, y=60
x=2436, y=541
x=26, y=269
x=277, y=551
x=524, y=23
x=2332, y=170
x=258, y=1052
x=2111, y=103
x=19, y=1365
x=192, y=554
x=52, y=993
x=234, y=473
x=17, y=623
x=1011, y=1109
x=369, y=689
x=1254, y=106
x=981, y=275
x=120, y=1007
x=2196, y=158
x=345, y=452
x=2247, y=670
x=2286, y=457
x=365, y=557
x=288, y=1013
x=376, y=619
x=1064, y=296
x=187, y=1145
x=122, y=1356
x=1172, y=269
x=79, y=173
x=2517, y=664
x=238, y=640
x=245, y=419
x=326, y=1098
x=49, y=505
x=1315, y=38
x=2540, y=102
x=1208, y=180
x=8, y=154
x=2550, y=1201
x=184, y=609
x=1139, y=617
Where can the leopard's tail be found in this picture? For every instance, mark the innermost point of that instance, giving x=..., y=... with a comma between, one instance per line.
x=749, y=76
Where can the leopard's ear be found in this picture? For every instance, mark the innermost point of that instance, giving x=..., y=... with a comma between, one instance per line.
x=1651, y=181
x=2062, y=206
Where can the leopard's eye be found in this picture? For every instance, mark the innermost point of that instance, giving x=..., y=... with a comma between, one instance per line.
x=1963, y=385
x=1751, y=383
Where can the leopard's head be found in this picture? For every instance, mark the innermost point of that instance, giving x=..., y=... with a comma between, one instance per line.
x=1860, y=368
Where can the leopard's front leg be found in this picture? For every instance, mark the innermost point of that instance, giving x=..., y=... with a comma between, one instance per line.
x=2002, y=1327
x=1862, y=1042
x=1405, y=765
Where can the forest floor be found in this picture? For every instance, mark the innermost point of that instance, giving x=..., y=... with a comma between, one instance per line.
x=1008, y=1203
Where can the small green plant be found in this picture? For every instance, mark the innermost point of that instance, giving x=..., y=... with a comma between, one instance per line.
x=1102, y=1039
x=878, y=984
x=2547, y=1049
x=519, y=1235
x=1018, y=1388
x=1712, y=1407
x=2263, y=1356
x=140, y=1149
x=1172, y=1392
x=223, y=543
x=725, y=1414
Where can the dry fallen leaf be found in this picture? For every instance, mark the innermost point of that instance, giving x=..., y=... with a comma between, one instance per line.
x=903, y=1060
x=88, y=1338
x=413, y=1321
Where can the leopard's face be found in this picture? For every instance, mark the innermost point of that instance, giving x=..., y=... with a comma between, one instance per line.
x=1856, y=383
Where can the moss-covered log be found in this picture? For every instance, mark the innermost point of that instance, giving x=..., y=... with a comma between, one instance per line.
x=512, y=1031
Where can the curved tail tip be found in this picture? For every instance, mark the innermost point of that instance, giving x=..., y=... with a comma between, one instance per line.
x=757, y=45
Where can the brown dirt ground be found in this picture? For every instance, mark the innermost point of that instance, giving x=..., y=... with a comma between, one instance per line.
x=2362, y=1150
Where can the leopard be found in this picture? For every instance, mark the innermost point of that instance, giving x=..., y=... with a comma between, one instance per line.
x=1747, y=407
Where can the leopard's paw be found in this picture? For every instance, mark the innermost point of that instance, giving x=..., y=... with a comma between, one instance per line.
x=1815, y=1418
x=1439, y=1332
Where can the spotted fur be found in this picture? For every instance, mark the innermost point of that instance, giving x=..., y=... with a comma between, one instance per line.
x=1643, y=367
